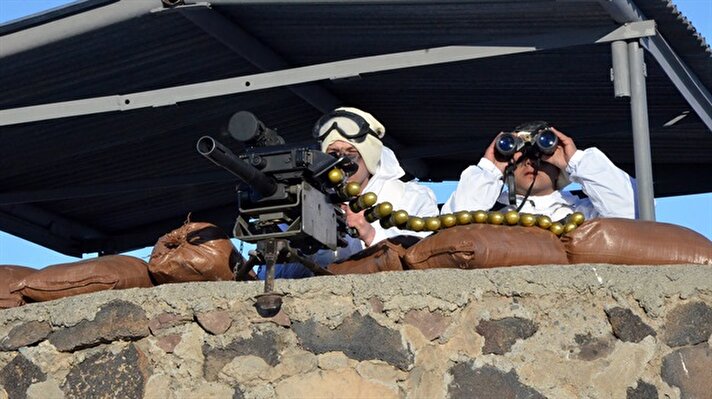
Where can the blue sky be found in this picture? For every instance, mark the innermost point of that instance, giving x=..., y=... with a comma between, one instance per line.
x=693, y=211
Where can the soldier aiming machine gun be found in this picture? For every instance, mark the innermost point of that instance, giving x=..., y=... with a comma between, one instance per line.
x=288, y=202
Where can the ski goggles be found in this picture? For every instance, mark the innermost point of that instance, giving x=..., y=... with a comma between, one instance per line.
x=348, y=124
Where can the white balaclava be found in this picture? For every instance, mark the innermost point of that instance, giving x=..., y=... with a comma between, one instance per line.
x=369, y=149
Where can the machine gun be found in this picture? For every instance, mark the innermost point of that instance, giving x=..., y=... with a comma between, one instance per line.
x=288, y=201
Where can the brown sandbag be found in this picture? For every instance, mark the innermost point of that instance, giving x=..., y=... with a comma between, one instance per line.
x=636, y=242
x=478, y=246
x=111, y=272
x=9, y=276
x=193, y=252
x=384, y=256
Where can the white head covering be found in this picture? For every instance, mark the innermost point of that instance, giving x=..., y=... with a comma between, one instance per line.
x=370, y=148
x=388, y=170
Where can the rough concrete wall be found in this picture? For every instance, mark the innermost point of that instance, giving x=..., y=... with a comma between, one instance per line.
x=586, y=331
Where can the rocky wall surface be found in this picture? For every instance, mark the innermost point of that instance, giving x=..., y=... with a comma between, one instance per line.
x=584, y=331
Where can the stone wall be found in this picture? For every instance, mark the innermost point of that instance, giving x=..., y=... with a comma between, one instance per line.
x=586, y=331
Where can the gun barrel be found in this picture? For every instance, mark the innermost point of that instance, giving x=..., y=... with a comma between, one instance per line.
x=223, y=157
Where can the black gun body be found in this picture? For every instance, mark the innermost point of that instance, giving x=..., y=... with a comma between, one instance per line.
x=285, y=193
x=290, y=200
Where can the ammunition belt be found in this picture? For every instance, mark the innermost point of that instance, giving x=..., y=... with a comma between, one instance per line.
x=387, y=217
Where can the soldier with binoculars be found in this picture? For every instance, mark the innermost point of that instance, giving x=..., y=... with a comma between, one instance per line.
x=538, y=161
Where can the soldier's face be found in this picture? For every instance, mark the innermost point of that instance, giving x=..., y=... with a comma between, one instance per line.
x=546, y=177
x=347, y=150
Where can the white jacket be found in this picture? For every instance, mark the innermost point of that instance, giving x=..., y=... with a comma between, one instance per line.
x=610, y=191
x=411, y=197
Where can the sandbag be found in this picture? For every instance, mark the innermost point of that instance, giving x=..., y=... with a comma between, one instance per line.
x=9, y=276
x=478, y=246
x=193, y=252
x=109, y=272
x=636, y=242
x=384, y=256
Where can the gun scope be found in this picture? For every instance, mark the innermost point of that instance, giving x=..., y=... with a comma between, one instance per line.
x=246, y=128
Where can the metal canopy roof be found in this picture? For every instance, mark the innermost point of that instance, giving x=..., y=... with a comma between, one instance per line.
x=115, y=181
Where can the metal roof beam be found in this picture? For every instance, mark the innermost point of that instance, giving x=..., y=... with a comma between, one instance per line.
x=585, y=132
x=85, y=21
x=329, y=70
x=699, y=98
x=255, y=52
x=335, y=2
x=64, y=193
x=47, y=228
x=682, y=77
x=258, y=54
x=14, y=225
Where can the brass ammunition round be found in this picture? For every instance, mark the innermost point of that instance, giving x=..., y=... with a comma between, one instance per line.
x=463, y=217
x=364, y=201
x=336, y=176
x=351, y=189
x=543, y=221
x=397, y=219
x=479, y=216
x=569, y=227
x=556, y=228
x=432, y=223
x=378, y=212
x=576, y=217
x=415, y=223
x=527, y=220
x=448, y=220
x=400, y=217
x=511, y=217
x=384, y=209
x=495, y=217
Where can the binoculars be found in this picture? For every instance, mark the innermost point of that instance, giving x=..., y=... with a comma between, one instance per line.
x=542, y=141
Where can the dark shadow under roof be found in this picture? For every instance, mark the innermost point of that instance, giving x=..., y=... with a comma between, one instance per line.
x=116, y=181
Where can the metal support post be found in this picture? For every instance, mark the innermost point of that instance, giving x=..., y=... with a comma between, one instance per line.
x=641, y=133
x=620, y=71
